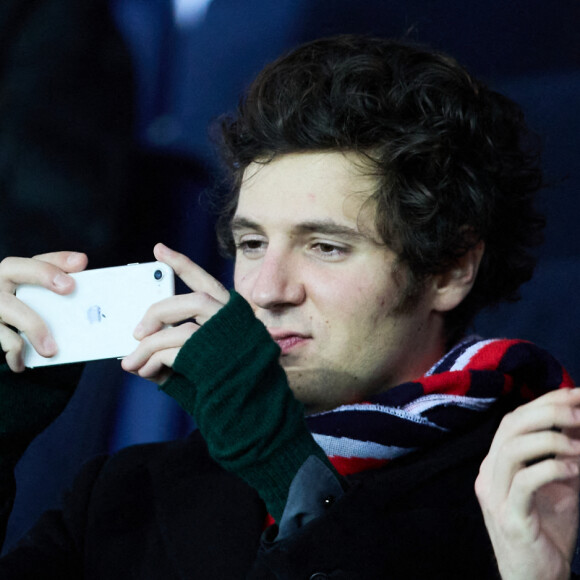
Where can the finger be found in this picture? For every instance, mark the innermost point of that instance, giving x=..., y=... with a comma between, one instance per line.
x=564, y=396
x=529, y=480
x=40, y=272
x=15, y=313
x=556, y=409
x=66, y=261
x=524, y=450
x=158, y=367
x=13, y=347
x=174, y=337
x=197, y=305
x=533, y=446
x=193, y=275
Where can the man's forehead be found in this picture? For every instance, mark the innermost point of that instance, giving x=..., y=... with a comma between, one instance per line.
x=345, y=165
x=312, y=190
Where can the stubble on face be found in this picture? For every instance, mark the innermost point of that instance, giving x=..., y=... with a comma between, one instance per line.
x=325, y=384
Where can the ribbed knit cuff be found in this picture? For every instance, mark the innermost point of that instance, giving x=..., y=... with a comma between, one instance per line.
x=227, y=376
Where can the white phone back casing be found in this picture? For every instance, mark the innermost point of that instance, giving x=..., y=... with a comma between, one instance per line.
x=97, y=320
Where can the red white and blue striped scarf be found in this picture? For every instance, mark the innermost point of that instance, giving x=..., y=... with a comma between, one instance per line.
x=463, y=384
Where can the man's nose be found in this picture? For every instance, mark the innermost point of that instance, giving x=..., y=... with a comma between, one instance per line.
x=278, y=283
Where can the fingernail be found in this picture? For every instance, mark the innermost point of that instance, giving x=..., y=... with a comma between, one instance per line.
x=49, y=346
x=61, y=281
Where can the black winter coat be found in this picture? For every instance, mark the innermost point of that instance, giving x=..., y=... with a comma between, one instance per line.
x=167, y=511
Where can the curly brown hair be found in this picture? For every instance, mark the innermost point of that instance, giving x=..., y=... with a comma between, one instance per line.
x=453, y=160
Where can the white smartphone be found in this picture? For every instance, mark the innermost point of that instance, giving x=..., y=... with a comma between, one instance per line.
x=96, y=321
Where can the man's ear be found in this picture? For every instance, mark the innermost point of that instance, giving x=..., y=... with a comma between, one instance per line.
x=454, y=285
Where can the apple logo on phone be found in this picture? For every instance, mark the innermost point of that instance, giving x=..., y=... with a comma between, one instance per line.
x=95, y=314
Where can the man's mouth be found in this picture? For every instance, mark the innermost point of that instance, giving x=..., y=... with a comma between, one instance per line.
x=288, y=340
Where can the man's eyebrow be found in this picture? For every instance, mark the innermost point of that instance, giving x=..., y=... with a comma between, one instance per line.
x=324, y=227
x=242, y=223
x=330, y=228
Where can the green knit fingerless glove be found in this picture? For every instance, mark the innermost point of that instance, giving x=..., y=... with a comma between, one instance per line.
x=227, y=376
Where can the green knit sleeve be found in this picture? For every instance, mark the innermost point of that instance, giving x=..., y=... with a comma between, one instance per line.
x=227, y=376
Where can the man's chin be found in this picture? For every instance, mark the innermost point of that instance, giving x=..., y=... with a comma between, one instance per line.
x=322, y=389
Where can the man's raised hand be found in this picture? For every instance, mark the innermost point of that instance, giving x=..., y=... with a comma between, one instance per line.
x=48, y=270
x=528, y=488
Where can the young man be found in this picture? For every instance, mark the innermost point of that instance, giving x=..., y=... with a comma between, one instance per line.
x=380, y=198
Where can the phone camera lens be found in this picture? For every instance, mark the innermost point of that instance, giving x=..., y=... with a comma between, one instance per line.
x=158, y=274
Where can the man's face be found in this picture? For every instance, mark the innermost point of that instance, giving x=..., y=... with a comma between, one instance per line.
x=314, y=270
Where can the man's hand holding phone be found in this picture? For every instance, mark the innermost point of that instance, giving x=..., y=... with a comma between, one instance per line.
x=50, y=271
x=169, y=323
x=163, y=329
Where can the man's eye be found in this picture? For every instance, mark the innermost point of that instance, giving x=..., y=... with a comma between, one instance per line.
x=251, y=247
x=328, y=250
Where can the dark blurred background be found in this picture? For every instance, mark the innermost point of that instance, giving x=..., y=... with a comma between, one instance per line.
x=104, y=148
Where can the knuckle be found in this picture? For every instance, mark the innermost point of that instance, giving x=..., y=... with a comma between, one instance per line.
x=11, y=342
x=552, y=409
x=5, y=263
x=572, y=414
x=147, y=344
x=559, y=395
x=220, y=289
x=181, y=264
x=156, y=358
x=510, y=451
x=188, y=328
x=196, y=302
x=516, y=413
x=203, y=297
x=509, y=418
x=16, y=347
x=38, y=272
x=552, y=439
x=514, y=528
x=506, y=427
x=480, y=487
x=483, y=493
